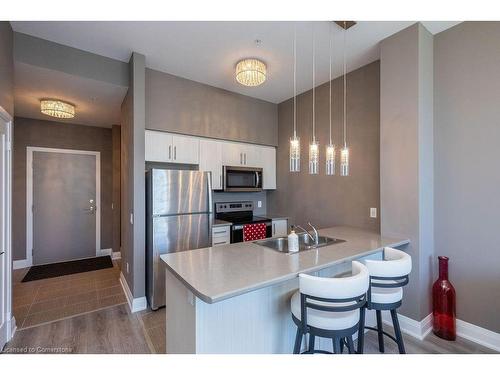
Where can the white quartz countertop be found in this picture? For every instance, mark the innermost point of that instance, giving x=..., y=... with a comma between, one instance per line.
x=217, y=273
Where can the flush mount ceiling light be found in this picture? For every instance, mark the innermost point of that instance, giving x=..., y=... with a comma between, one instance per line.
x=251, y=72
x=57, y=108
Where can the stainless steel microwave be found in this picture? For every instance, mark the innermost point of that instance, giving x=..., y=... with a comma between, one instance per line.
x=242, y=179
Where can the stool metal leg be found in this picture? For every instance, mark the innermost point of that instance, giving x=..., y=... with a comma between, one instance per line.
x=336, y=345
x=341, y=345
x=361, y=330
x=350, y=345
x=380, y=331
x=397, y=331
x=298, y=341
x=312, y=339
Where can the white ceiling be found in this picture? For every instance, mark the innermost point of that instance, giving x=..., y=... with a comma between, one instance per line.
x=207, y=51
x=97, y=103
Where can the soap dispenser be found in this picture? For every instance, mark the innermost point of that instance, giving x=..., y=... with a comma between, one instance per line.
x=293, y=242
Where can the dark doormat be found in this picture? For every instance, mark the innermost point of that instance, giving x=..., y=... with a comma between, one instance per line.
x=67, y=268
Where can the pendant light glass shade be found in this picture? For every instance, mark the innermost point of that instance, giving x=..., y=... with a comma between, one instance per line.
x=344, y=161
x=294, y=154
x=330, y=148
x=313, y=157
x=294, y=140
x=330, y=160
x=344, y=153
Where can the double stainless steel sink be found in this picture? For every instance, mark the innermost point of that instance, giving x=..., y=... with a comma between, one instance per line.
x=280, y=244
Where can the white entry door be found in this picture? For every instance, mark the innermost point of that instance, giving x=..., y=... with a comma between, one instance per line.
x=5, y=266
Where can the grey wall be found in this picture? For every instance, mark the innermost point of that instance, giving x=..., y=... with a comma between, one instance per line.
x=6, y=68
x=406, y=167
x=133, y=187
x=467, y=176
x=116, y=142
x=183, y=106
x=29, y=132
x=49, y=55
x=332, y=200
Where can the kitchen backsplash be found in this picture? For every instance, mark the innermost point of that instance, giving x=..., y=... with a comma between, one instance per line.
x=255, y=197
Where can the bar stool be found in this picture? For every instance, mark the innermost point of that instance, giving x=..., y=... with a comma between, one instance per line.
x=387, y=277
x=330, y=307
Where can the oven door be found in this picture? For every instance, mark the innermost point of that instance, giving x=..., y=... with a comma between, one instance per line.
x=237, y=232
x=242, y=179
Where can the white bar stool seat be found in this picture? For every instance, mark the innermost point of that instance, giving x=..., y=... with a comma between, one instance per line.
x=382, y=295
x=330, y=307
x=325, y=319
x=387, y=277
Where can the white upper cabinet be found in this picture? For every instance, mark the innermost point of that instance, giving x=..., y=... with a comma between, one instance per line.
x=158, y=146
x=185, y=150
x=211, y=155
x=267, y=161
x=232, y=154
x=240, y=154
x=211, y=160
x=170, y=148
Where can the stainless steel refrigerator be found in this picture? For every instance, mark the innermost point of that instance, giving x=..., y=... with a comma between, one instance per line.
x=179, y=217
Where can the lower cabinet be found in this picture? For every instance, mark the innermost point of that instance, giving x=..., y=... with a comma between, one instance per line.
x=280, y=227
x=221, y=235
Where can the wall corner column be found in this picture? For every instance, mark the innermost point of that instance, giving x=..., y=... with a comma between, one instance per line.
x=406, y=156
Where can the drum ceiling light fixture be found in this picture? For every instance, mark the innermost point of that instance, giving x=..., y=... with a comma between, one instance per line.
x=251, y=72
x=57, y=108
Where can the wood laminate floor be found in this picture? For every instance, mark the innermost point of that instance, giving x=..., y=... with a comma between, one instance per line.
x=59, y=316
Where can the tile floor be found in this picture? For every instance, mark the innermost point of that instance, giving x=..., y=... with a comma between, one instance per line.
x=42, y=301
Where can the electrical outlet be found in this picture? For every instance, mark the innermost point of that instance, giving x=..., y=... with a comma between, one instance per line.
x=259, y=204
x=127, y=267
x=373, y=212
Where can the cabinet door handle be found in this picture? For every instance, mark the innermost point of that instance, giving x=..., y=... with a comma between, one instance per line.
x=274, y=229
x=220, y=178
x=221, y=231
x=245, y=156
x=241, y=158
x=220, y=243
x=175, y=152
x=169, y=152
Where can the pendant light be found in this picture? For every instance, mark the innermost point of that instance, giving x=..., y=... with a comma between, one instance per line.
x=294, y=140
x=313, y=146
x=330, y=147
x=344, y=153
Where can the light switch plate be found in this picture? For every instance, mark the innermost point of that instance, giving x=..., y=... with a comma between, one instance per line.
x=373, y=212
x=259, y=204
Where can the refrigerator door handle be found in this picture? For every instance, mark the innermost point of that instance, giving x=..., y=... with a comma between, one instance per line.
x=209, y=193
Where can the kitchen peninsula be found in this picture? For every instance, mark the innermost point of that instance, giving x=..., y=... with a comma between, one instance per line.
x=236, y=298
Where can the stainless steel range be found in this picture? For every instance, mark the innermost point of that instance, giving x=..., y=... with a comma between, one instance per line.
x=240, y=214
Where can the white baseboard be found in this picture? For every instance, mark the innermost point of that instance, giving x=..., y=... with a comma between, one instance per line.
x=471, y=332
x=104, y=252
x=415, y=328
x=23, y=263
x=116, y=255
x=478, y=335
x=135, y=304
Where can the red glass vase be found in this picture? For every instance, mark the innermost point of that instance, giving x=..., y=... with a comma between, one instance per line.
x=443, y=303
